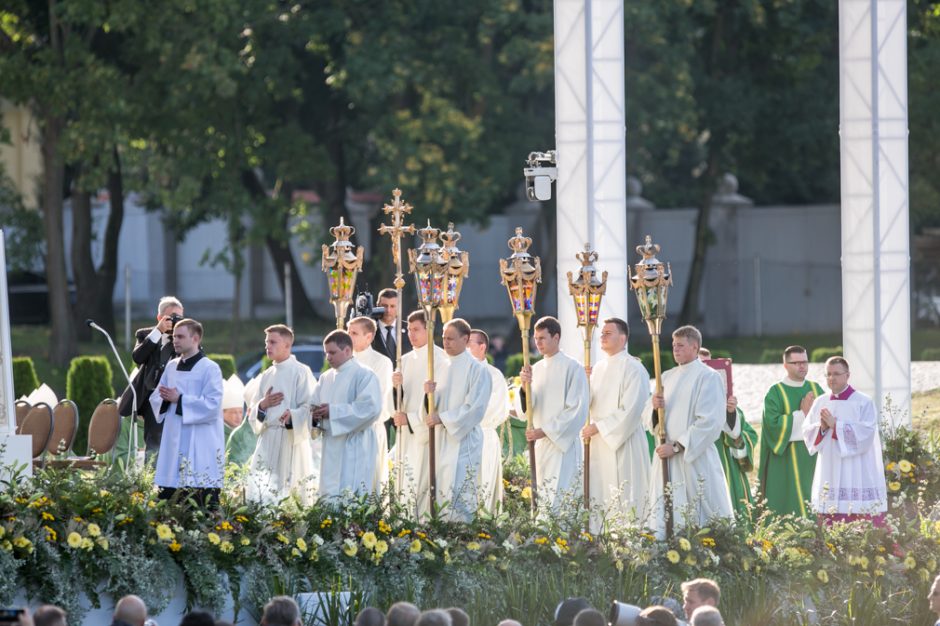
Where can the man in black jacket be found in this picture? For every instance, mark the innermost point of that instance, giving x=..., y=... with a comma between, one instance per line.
x=384, y=340
x=153, y=351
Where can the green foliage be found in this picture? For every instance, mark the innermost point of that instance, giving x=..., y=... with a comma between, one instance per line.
x=88, y=382
x=771, y=355
x=666, y=361
x=24, y=376
x=930, y=354
x=819, y=355
x=226, y=363
x=22, y=228
x=514, y=363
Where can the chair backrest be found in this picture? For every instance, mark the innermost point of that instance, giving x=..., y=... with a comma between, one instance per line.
x=38, y=424
x=104, y=427
x=65, y=426
x=22, y=408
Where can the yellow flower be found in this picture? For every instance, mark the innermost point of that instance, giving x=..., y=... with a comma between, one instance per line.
x=905, y=466
x=6, y=545
x=910, y=562
x=924, y=575
x=225, y=525
x=384, y=527
x=214, y=539
x=74, y=540
x=823, y=576
x=104, y=493
x=894, y=485
x=350, y=548
x=87, y=543
x=541, y=541
x=301, y=544
x=241, y=519
x=415, y=546
x=175, y=546
x=326, y=523
x=94, y=530
x=164, y=533
x=294, y=552
x=708, y=542
x=404, y=532
x=50, y=533
x=381, y=547
x=226, y=547
x=890, y=466
x=526, y=493
x=673, y=556
x=3, y=532
x=103, y=543
x=283, y=539
x=879, y=572
x=368, y=539
x=46, y=516
x=691, y=560
x=473, y=546
x=862, y=562
x=245, y=541
x=684, y=544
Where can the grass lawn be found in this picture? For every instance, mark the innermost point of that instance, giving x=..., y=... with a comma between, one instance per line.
x=925, y=411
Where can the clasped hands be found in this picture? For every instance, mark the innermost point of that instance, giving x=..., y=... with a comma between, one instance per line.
x=827, y=419
x=274, y=398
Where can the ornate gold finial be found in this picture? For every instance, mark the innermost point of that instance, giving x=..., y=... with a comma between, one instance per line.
x=342, y=232
x=520, y=243
x=450, y=237
x=648, y=250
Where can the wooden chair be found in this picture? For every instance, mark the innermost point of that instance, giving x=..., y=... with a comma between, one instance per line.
x=22, y=408
x=103, y=430
x=65, y=427
x=38, y=424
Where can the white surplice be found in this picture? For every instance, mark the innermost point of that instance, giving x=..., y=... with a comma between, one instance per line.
x=381, y=366
x=620, y=459
x=350, y=448
x=415, y=486
x=497, y=412
x=849, y=477
x=192, y=449
x=560, y=400
x=461, y=404
x=695, y=411
x=282, y=462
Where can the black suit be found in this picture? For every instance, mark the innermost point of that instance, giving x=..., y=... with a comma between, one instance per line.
x=150, y=358
x=378, y=342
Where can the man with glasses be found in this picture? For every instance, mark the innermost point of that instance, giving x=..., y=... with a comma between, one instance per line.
x=786, y=467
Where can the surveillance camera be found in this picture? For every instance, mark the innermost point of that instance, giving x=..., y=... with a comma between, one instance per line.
x=539, y=175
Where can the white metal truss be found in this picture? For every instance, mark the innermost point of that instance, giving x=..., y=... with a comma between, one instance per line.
x=590, y=140
x=875, y=210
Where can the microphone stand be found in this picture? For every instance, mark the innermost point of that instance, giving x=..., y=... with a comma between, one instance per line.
x=132, y=435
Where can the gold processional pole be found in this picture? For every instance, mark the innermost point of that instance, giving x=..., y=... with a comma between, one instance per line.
x=458, y=268
x=429, y=267
x=341, y=266
x=521, y=273
x=651, y=284
x=587, y=290
x=398, y=209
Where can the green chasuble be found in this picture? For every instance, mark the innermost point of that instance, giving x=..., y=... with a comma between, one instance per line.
x=239, y=443
x=736, y=468
x=786, y=468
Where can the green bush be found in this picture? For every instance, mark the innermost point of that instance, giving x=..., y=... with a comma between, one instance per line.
x=771, y=355
x=718, y=353
x=25, y=380
x=819, y=355
x=928, y=354
x=514, y=363
x=666, y=361
x=88, y=383
x=226, y=363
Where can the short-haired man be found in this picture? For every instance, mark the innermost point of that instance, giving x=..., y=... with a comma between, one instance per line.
x=129, y=611
x=413, y=449
x=402, y=614
x=699, y=592
x=362, y=332
x=153, y=351
x=188, y=401
x=434, y=617
x=497, y=412
x=620, y=458
x=281, y=611
x=706, y=616
x=50, y=615
x=278, y=411
x=346, y=402
x=384, y=341
x=785, y=471
x=560, y=399
x=461, y=404
x=842, y=427
x=694, y=404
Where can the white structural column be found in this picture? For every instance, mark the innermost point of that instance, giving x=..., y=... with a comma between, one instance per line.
x=875, y=239
x=15, y=450
x=590, y=140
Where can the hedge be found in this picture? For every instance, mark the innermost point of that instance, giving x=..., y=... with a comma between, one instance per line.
x=514, y=363
x=665, y=357
x=88, y=383
x=226, y=363
x=25, y=380
x=771, y=355
x=930, y=354
x=819, y=355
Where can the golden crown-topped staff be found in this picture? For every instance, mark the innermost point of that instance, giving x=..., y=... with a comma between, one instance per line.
x=521, y=273
x=651, y=283
x=397, y=210
x=341, y=266
x=458, y=268
x=429, y=266
x=587, y=290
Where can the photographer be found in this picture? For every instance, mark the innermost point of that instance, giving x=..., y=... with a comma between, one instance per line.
x=153, y=351
x=385, y=311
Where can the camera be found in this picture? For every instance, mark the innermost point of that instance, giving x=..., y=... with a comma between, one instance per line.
x=540, y=172
x=365, y=306
x=175, y=318
x=11, y=616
